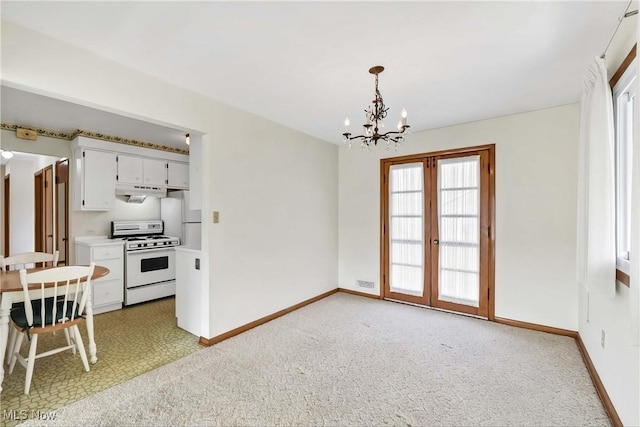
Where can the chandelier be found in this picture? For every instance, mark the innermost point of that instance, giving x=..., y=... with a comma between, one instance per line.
x=374, y=114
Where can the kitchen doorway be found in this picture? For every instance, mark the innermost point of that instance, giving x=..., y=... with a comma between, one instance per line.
x=437, y=230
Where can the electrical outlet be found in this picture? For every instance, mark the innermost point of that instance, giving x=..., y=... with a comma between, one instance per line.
x=602, y=339
x=216, y=217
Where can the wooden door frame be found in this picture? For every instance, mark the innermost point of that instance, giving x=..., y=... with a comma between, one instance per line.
x=38, y=210
x=48, y=209
x=491, y=220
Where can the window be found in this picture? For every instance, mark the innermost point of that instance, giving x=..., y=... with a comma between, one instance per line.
x=625, y=106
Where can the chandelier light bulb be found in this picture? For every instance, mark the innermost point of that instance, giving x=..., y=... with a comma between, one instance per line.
x=400, y=124
x=404, y=113
x=347, y=122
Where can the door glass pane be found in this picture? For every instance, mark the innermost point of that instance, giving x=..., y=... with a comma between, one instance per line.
x=406, y=235
x=459, y=230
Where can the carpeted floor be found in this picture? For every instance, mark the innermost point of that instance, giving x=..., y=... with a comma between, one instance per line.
x=130, y=342
x=347, y=360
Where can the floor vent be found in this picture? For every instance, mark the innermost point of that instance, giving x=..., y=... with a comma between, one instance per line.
x=365, y=284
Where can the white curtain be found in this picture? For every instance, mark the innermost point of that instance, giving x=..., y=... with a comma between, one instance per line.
x=634, y=299
x=459, y=230
x=406, y=218
x=596, y=252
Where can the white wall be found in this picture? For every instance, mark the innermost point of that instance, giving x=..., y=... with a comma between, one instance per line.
x=536, y=170
x=21, y=198
x=618, y=363
x=276, y=244
x=275, y=189
x=2, y=212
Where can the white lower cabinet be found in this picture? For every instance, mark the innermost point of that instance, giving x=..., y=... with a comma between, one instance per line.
x=189, y=290
x=107, y=292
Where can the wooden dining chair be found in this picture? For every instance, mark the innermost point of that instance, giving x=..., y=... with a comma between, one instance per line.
x=62, y=297
x=27, y=260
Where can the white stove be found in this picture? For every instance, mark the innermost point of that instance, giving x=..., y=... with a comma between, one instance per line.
x=142, y=234
x=149, y=242
x=149, y=260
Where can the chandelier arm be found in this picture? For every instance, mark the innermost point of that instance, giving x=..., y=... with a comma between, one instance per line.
x=356, y=137
x=392, y=133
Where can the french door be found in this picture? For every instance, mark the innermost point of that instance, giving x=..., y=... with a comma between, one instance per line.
x=437, y=214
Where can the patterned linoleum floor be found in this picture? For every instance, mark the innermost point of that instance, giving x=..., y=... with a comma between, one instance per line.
x=130, y=342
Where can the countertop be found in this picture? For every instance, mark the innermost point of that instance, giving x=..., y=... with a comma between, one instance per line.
x=188, y=250
x=97, y=241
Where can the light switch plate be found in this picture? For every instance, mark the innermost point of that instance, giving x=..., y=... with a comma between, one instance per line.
x=216, y=217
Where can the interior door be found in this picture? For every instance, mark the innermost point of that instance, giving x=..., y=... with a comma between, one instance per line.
x=437, y=215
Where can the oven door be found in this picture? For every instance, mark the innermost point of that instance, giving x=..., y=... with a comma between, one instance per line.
x=148, y=266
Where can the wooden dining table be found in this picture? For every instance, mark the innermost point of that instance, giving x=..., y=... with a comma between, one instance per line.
x=11, y=292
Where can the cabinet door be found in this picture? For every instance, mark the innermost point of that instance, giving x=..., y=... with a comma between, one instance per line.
x=98, y=176
x=107, y=292
x=155, y=172
x=129, y=169
x=178, y=175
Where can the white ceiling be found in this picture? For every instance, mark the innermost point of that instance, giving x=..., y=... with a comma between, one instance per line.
x=304, y=64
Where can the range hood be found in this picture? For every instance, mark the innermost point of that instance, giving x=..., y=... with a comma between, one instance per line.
x=138, y=193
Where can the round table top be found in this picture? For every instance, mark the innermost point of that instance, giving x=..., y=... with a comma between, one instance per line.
x=10, y=280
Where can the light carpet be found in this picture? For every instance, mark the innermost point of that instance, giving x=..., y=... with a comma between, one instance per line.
x=348, y=360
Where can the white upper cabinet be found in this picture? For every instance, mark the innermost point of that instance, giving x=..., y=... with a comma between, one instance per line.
x=155, y=172
x=178, y=175
x=141, y=170
x=129, y=169
x=94, y=180
x=99, y=168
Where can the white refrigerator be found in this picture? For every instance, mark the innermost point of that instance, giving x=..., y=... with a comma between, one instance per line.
x=179, y=220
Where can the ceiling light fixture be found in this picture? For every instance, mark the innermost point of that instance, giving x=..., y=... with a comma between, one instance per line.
x=6, y=154
x=187, y=139
x=374, y=115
